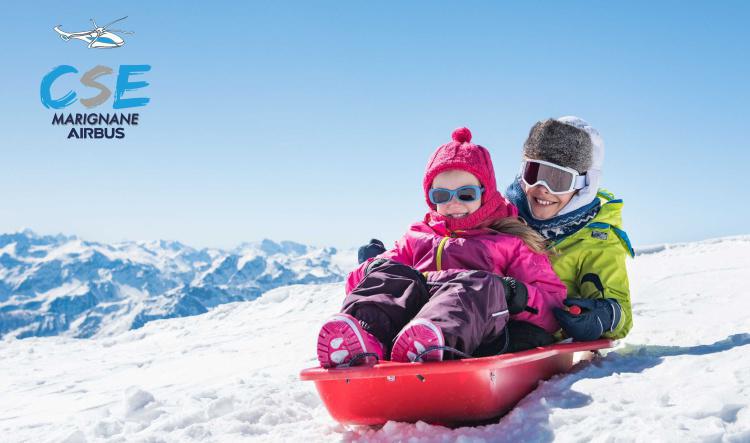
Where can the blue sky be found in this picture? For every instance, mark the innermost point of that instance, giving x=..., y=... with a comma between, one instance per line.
x=313, y=122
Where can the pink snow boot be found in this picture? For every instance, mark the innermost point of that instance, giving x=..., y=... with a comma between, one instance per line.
x=343, y=342
x=416, y=337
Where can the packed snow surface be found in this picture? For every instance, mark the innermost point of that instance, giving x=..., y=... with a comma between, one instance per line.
x=683, y=374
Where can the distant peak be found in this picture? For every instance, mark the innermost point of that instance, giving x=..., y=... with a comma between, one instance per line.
x=30, y=234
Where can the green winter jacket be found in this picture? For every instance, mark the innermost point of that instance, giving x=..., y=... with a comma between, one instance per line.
x=598, y=250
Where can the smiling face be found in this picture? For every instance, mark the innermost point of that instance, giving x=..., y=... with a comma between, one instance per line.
x=454, y=179
x=543, y=204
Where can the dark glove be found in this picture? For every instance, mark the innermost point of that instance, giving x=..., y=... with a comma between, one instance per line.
x=516, y=295
x=598, y=315
x=374, y=248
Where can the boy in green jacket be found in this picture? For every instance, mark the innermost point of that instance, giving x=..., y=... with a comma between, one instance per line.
x=558, y=194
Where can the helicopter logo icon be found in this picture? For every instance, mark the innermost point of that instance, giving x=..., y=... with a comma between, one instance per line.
x=99, y=37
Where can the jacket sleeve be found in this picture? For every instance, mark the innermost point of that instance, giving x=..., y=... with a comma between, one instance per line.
x=603, y=274
x=545, y=290
x=401, y=253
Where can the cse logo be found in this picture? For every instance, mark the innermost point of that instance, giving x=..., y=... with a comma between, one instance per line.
x=89, y=78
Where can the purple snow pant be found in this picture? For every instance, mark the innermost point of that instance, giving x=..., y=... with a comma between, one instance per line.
x=469, y=307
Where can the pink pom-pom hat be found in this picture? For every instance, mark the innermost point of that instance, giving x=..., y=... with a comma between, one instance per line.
x=461, y=154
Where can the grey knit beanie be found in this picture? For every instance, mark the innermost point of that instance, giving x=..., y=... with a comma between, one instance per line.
x=559, y=143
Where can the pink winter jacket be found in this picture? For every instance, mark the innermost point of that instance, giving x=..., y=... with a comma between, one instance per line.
x=430, y=246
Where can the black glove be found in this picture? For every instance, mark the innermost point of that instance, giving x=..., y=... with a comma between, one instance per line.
x=374, y=248
x=516, y=295
x=598, y=315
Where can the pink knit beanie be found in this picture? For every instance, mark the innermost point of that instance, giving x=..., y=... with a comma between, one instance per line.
x=466, y=156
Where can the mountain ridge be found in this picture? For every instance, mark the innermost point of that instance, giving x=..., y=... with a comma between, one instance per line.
x=64, y=285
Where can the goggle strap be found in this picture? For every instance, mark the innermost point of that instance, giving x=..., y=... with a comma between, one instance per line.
x=581, y=181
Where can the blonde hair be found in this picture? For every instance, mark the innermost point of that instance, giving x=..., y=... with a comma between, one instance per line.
x=517, y=226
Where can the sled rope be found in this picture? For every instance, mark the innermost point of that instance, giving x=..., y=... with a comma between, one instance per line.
x=358, y=357
x=418, y=358
x=507, y=340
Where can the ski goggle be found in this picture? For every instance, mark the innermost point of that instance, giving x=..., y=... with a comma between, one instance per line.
x=465, y=194
x=557, y=179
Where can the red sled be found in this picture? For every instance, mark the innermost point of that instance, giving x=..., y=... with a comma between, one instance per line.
x=447, y=393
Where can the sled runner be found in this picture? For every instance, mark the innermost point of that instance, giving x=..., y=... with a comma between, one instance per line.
x=446, y=393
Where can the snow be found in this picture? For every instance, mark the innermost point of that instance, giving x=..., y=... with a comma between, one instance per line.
x=72, y=288
x=683, y=374
x=120, y=319
x=9, y=249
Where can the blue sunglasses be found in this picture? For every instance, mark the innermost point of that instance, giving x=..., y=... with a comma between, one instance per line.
x=465, y=194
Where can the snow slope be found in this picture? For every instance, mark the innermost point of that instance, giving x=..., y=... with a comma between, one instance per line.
x=682, y=375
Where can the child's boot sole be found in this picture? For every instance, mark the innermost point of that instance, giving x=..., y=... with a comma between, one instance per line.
x=414, y=339
x=340, y=339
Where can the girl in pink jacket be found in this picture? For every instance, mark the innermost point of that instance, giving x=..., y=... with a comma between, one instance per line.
x=449, y=287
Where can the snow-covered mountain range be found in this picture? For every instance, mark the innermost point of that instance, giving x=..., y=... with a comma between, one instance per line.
x=62, y=285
